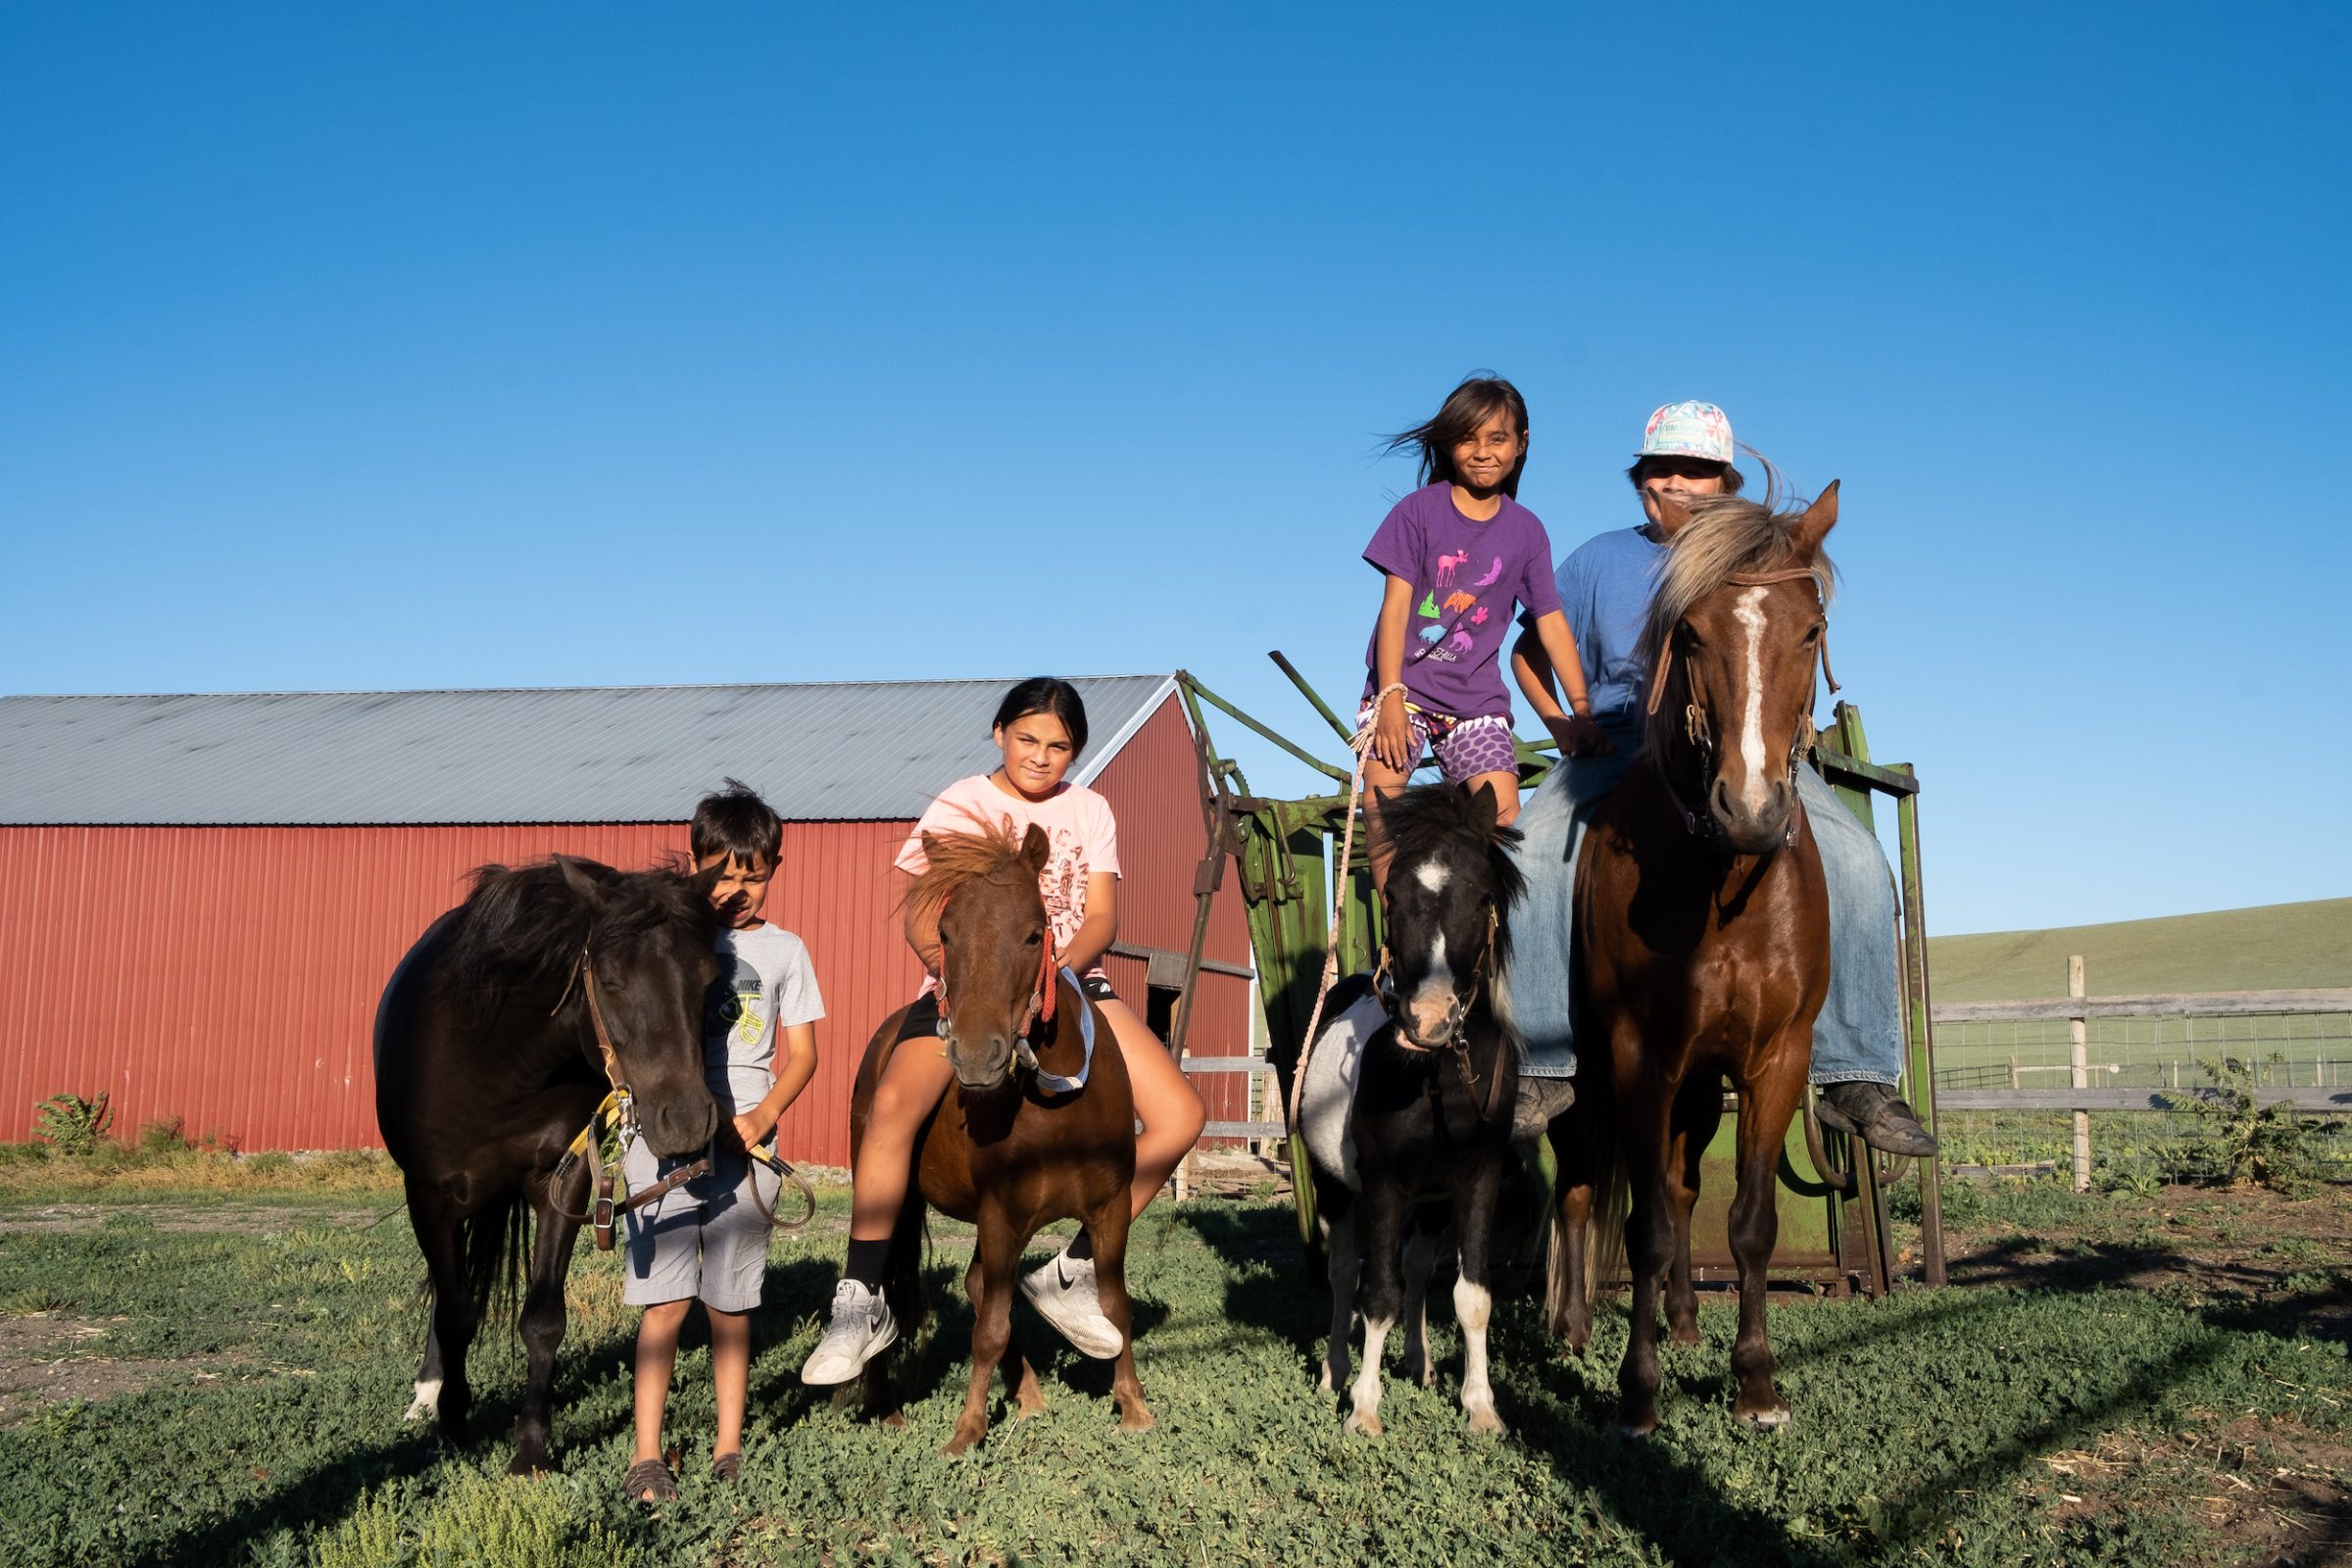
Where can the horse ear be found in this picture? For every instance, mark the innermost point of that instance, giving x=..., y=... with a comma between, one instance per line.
x=1483, y=809
x=1036, y=848
x=1673, y=516
x=930, y=848
x=1819, y=518
x=583, y=885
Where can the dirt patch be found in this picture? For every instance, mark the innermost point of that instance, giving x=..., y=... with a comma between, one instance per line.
x=2276, y=1492
x=47, y=1361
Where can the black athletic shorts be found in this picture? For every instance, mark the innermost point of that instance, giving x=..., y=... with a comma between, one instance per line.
x=922, y=1020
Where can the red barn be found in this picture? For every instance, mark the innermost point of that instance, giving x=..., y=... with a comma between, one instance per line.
x=202, y=895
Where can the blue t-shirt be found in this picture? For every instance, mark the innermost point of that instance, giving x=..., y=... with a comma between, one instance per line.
x=1605, y=586
x=1466, y=577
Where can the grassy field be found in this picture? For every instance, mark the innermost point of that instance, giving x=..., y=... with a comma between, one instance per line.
x=193, y=1376
x=2273, y=946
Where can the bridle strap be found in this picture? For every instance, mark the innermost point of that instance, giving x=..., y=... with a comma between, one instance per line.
x=1744, y=579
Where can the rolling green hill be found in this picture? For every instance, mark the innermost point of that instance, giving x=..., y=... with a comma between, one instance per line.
x=2275, y=945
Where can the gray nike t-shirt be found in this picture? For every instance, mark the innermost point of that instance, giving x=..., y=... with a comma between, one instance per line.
x=765, y=983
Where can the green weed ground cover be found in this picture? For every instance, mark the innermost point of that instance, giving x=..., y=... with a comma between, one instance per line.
x=278, y=1352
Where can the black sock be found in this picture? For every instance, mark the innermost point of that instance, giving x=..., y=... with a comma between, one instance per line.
x=865, y=1261
x=1080, y=1249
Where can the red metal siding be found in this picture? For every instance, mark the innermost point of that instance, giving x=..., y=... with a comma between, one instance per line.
x=229, y=975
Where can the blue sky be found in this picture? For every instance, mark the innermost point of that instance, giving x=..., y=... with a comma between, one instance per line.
x=418, y=346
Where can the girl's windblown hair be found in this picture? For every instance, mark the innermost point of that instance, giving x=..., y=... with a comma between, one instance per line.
x=1466, y=407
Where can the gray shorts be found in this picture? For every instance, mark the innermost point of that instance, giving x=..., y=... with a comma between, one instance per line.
x=704, y=1239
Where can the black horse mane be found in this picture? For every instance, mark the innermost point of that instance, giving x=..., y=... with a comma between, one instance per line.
x=1429, y=818
x=525, y=925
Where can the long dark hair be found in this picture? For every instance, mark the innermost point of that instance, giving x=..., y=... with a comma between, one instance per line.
x=1043, y=694
x=1466, y=407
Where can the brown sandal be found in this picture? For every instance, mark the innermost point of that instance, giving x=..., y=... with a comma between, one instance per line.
x=650, y=1475
x=727, y=1467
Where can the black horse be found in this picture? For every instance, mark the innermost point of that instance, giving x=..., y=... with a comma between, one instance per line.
x=1433, y=1105
x=498, y=1036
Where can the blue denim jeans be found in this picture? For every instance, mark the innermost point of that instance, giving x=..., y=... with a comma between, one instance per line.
x=1859, y=1034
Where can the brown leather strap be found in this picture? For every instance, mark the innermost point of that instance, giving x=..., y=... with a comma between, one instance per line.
x=601, y=1216
x=1745, y=579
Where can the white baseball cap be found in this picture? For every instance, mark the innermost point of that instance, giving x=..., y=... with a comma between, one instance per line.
x=1688, y=429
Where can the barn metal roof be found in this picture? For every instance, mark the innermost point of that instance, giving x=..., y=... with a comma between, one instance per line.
x=853, y=750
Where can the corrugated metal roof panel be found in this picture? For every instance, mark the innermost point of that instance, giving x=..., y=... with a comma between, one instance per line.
x=859, y=751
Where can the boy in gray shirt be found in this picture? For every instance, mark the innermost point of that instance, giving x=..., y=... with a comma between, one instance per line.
x=706, y=1240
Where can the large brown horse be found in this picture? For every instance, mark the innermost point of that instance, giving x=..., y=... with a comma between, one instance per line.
x=1040, y=1127
x=1702, y=935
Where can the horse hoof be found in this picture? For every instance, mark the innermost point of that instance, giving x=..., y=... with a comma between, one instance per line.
x=1138, y=1421
x=958, y=1445
x=1686, y=1336
x=1428, y=1377
x=1368, y=1425
x=1486, y=1424
x=1770, y=1419
x=896, y=1421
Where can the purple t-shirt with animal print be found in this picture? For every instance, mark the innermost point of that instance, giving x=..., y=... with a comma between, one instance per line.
x=1466, y=575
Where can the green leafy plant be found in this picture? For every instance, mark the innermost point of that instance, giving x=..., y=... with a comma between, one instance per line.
x=72, y=1124
x=2246, y=1141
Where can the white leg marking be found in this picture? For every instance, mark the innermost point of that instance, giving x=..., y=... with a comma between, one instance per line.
x=1363, y=1399
x=1473, y=1305
x=1750, y=613
x=427, y=1403
x=1432, y=876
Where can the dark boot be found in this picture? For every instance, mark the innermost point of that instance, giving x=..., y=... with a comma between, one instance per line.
x=1877, y=1115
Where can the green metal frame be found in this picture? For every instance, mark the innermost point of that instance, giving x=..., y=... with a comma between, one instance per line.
x=1283, y=849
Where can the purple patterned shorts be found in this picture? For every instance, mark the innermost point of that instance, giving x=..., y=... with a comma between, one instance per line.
x=1465, y=747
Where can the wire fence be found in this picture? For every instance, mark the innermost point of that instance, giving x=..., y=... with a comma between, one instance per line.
x=2255, y=1049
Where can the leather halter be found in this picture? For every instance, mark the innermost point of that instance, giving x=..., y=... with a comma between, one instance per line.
x=621, y=1105
x=1043, y=994
x=1454, y=1044
x=1695, y=724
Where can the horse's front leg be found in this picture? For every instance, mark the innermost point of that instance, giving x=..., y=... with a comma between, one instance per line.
x=1421, y=1249
x=999, y=1254
x=1384, y=1219
x=1568, y=1283
x=1474, y=1196
x=1108, y=1225
x=1648, y=1245
x=1343, y=1259
x=542, y=1326
x=1697, y=1110
x=1765, y=1109
x=1021, y=1377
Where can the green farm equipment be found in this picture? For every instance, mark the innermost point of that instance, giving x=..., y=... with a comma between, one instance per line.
x=1834, y=1236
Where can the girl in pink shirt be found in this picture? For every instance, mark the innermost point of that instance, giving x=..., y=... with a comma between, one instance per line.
x=1041, y=728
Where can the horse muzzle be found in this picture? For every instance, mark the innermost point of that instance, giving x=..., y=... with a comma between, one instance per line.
x=1759, y=828
x=982, y=1064
x=678, y=1124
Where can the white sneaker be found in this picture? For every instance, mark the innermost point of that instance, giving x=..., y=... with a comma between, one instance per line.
x=862, y=1327
x=1064, y=1296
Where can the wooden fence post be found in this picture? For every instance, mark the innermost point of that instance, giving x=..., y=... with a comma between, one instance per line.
x=2077, y=1031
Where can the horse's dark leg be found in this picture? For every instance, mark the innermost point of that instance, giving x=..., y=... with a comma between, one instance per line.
x=453, y=1320
x=542, y=1326
x=1648, y=1245
x=902, y=1289
x=1341, y=1258
x=1765, y=1109
x=1474, y=1195
x=428, y=1400
x=1421, y=1247
x=997, y=1254
x=1020, y=1378
x=1697, y=1109
x=1383, y=1296
x=1109, y=1228
x=1569, y=1283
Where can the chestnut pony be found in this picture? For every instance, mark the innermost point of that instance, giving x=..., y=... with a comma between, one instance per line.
x=1040, y=1127
x=1702, y=936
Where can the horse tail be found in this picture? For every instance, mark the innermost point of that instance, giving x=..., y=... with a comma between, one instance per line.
x=1590, y=1138
x=1612, y=1203
x=493, y=1252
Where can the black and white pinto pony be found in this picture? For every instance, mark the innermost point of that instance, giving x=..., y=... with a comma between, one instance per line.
x=1407, y=1103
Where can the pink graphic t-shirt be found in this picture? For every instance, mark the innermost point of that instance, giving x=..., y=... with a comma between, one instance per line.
x=1077, y=821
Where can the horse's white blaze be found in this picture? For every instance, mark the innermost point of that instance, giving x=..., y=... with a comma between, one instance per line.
x=427, y=1403
x=1433, y=999
x=1750, y=613
x=1432, y=875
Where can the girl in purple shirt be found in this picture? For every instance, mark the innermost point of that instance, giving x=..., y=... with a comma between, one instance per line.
x=1458, y=557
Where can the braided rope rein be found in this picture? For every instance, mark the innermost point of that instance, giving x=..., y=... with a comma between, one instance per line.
x=1361, y=745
